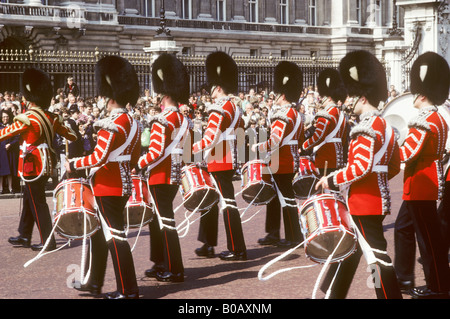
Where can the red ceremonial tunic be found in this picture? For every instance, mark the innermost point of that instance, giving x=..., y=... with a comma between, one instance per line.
x=32, y=131
x=326, y=141
x=110, y=164
x=165, y=152
x=286, y=136
x=421, y=152
x=369, y=192
x=219, y=141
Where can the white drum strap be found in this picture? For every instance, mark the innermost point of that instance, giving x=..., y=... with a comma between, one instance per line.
x=331, y=137
x=187, y=216
x=368, y=251
x=171, y=148
x=227, y=135
x=289, y=139
x=112, y=233
x=379, y=155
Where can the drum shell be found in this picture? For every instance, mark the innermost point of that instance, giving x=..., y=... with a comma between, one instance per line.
x=73, y=201
x=138, y=211
x=257, y=183
x=198, y=189
x=398, y=112
x=305, y=179
x=324, y=221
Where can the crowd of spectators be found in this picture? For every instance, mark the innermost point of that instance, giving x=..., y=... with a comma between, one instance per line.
x=82, y=112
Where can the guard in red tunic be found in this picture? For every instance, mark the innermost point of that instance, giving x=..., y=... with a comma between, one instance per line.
x=37, y=128
x=422, y=152
x=286, y=136
x=169, y=131
x=116, y=153
x=220, y=150
x=372, y=160
x=330, y=124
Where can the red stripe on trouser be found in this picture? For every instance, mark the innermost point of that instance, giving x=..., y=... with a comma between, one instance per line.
x=165, y=233
x=229, y=221
x=35, y=213
x=432, y=253
x=115, y=248
x=378, y=267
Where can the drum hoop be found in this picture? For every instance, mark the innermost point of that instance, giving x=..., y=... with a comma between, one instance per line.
x=258, y=183
x=65, y=211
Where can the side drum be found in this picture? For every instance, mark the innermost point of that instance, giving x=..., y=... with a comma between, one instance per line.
x=305, y=179
x=258, y=188
x=325, y=223
x=197, y=188
x=74, y=207
x=138, y=211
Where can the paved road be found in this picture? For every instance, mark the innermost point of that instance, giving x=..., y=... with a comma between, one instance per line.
x=48, y=277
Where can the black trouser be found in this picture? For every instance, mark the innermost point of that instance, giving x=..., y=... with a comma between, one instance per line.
x=112, y=237
x=444, y=215
x=35, y=210
x=164, y=241
x=420, y=218
x=232, y=220
x=384, y=277
x=290, y=211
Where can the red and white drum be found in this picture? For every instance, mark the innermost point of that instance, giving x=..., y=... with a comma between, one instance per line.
x=197, y=188
x=138, y=212
x=257, y=183
x=326, y=225
x=306, y=178
x=74, y=207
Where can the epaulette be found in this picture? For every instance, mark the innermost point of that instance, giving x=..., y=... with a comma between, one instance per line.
x=364, y=127
x=420, y=121
x=280, y=114
x=23, y=118
x=160, y=118
x=216, y=107
x=323, y=114
x=106, y=124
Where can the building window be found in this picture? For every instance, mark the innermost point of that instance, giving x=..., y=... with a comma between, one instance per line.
x=312, y=12
x=284, y=53
x=186, y=9
x=221, y=10
x=358, y=11
x=284, y=11
x=186, y=51
x=253, y=10
x=253, y=52
x=374, y=13
x=149, y=8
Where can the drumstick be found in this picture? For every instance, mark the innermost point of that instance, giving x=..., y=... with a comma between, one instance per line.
x=324, y=173
x=67, y=156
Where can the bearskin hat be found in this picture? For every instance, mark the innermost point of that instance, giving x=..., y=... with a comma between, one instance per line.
x=329, y=84
x=364, y=75
x=170, y=77
x=116, y=79
x=288, y=80
x=222, y=70
x=37, y=87
x=430, y=76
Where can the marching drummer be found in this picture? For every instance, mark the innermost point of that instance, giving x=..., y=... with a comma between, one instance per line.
x=422, y=152
x=372, y=160
x=37, y=128
x=330, y=124
x=169, y=131
x=220, y=148
x=283, y=144
x=116, y=153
